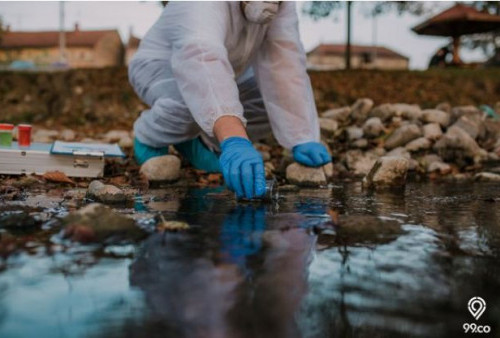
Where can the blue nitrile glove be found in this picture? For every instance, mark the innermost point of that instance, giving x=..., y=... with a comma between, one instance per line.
x=311, y=154
x=242, y=167
x=143, y=152
x=199, y=155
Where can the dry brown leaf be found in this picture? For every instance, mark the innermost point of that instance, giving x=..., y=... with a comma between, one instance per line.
x=334, y=215
x=57, y=176
x=214, y=177
x=171, y=225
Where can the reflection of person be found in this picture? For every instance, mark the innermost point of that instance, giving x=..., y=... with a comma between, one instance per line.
x=251, y=285
x=225, y=72
x=438, y=60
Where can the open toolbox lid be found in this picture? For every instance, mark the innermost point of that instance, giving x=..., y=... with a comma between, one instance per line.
x=86, y=149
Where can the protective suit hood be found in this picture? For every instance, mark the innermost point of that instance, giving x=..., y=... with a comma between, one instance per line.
x=260, y=12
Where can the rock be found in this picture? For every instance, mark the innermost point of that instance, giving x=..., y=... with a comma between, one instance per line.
x=421, y=143
x=288, y=188
x=305, y=176
x=384, y=112
x=45, y=135
x=361, y=143
x=360, y=163
x=98, y=223
x=441, y=167
x=105, y=193
x=68, y=135
x=340, y=115
x=89, y=140
x=329, y=171
x=407, y=111
x=444, y=106
x=436, y=116
x=354, y=133
x=16, y=220
x=328, y=126
x=373, y=127
x=162, y=168
x=402, y=136
x=472, y=124
x=126, y=142
x=269, y=168
x=459, y=111
x=361, y=108
x=399, y=152
x=388, y=171
x=114, y=136
x=487, y=177
x=456, y=145
x=432, y=131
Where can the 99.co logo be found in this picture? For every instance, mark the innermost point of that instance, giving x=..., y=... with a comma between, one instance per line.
x=476, y=306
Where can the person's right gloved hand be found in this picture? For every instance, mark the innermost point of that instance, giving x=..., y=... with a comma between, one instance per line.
x=242, y=167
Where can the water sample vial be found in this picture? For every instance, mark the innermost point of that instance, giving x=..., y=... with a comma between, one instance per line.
x=271, y=190
x=24, y=135
x=6, y=134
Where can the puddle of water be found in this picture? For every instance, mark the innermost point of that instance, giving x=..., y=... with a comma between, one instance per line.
x=398, y=264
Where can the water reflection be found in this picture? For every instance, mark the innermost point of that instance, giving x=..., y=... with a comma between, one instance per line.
x=240, y=272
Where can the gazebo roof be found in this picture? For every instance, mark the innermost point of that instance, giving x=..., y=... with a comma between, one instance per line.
x=458, y=20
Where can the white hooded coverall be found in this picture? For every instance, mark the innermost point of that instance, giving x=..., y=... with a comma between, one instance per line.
x=204, y=60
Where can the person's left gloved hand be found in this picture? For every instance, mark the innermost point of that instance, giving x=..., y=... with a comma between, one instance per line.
x=311, y=154
x=242, y=167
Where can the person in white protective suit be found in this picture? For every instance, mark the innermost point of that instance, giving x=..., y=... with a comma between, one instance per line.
x=219, y=74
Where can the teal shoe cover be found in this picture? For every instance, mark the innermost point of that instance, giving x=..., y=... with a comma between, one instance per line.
x=199, y=155
x=143, y=152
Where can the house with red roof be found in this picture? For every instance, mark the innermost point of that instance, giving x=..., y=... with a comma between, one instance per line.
x=83, y=48
x=332, y=56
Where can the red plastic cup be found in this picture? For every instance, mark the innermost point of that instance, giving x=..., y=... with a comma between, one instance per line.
x=24, y=135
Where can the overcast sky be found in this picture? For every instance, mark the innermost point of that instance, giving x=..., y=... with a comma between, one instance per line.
x=392, y=30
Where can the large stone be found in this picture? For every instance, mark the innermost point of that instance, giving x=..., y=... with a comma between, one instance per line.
x=105, y=193
x=373, y=127
x=361, y=108
x=45, y=135
x=340, y=115
x=418, y=144
x=444, y=106
x=67, y=135
x=384, y=112
x=432, y=131
x=441, y=167
x=402, y=136
x=305, y=176
x=456, y=145
x=487, y=177
x=162, y=168
x=354, y=133
x=399, y=152
x=388, y=171
x=328, y=126
x=114, y=136
x=360, y=163
x=436, y=116
x=472, y=124
x=459, y=111
x=407, y=111
x=98, y=223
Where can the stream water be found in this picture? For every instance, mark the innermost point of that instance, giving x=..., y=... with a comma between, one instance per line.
x=399, y=263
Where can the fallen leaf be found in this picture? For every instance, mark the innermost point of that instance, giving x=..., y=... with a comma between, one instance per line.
x=57, y=176
x=214, y=178
x=171, y=225
x=334, y=215
x=118, y=180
